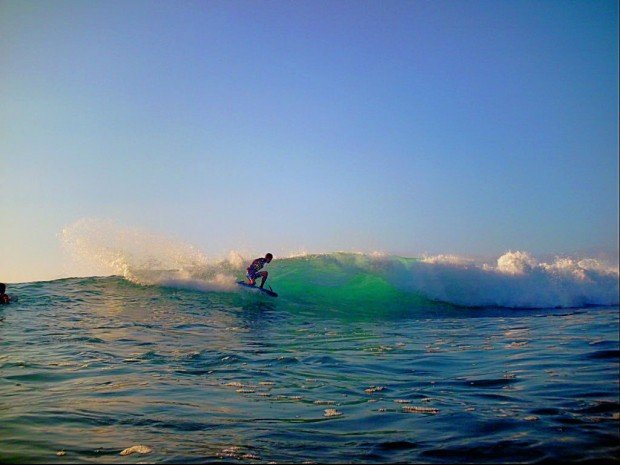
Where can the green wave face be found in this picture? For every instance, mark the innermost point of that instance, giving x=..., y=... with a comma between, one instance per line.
x=344, y=281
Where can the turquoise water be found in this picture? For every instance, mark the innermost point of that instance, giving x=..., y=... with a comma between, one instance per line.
x=357, y=368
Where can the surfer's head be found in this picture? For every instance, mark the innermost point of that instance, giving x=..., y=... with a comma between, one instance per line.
x=2, y=288
x=268, y=257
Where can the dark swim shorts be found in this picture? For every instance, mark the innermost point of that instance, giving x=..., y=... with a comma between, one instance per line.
x=253, y=274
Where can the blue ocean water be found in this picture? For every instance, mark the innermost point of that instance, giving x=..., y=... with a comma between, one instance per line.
x=362, y=359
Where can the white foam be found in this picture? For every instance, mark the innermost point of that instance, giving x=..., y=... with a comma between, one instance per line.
x=516, y=280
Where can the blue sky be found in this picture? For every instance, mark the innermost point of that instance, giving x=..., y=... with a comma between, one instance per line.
x=406, y=127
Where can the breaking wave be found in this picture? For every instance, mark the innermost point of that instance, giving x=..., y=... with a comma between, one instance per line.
x=515, y=280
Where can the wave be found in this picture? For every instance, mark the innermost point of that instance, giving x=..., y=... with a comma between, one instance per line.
x=515, y=280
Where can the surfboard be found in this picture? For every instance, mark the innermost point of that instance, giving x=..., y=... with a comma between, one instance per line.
x=257, y=289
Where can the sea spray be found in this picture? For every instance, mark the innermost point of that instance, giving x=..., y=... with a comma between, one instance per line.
x=146, y=258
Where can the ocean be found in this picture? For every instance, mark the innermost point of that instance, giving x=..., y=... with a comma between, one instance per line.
x=363, y=358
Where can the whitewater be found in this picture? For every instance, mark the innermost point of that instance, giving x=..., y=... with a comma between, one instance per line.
x=154, y=354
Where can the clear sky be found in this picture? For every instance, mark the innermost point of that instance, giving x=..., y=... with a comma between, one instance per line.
x=406, y=127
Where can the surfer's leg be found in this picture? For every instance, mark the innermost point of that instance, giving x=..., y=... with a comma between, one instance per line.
x=264, y=275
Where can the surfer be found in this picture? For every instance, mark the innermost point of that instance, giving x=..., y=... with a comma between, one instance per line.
x=254, y=273
x=4, y=299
